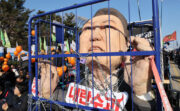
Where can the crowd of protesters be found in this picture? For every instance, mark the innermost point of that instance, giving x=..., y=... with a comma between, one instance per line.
x=14, y=84
x=14, y=81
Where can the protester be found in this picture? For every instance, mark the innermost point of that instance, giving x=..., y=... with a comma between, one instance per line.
x=6, y=97
x=98, y=35
x=15, y=75
x=20, y=101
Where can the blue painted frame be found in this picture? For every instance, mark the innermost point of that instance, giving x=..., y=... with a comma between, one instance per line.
x=156, y=29
x=157, y=43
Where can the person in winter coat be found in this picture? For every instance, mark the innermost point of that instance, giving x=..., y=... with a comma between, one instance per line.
x=20, y=99
x=108, y=33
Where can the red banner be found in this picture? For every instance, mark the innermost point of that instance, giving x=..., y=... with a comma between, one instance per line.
x=170, y=37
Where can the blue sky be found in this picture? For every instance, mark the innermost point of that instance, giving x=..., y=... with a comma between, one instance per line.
x=170, y=13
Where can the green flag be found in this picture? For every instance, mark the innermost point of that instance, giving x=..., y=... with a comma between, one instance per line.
x=2, y=38
x=8, y=44
x=53, y=37
x=66, y=45
x=40, y=44
x=45, y=47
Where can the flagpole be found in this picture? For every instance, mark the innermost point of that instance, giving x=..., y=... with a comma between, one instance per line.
x=161, y=46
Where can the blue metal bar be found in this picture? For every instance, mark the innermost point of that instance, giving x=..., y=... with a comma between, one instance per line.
x=50, y=24
x=29, y=60
x=129, y=15
x=92, y=56
x=156, y=34
x=29, y=65
x=110, y=50
x=39, y=35
x=62, y=39
x=157, y=43
x=77, y=61
x=36, y=41
x=136, y=53
x=67, y=8
x=62, y=50
x=55, y=24
x=77, y=45
x=32, y=40
x=50, y=52
x=36, y=53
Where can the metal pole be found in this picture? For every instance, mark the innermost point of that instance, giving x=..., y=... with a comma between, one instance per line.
x=157, y=42
x=36, y=64
x=29, y=68
x=68, y=8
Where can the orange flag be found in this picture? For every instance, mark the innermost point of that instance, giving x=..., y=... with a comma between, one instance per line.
x=170, y=37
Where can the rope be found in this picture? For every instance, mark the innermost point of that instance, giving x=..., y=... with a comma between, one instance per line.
x=92, y=56
x=129, y=14
x=139, y=10
x=29, y=102
x=50, y=25
x=161, y=11
x=159, y=83
x=39, y=102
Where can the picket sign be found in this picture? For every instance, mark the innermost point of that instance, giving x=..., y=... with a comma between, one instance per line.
x=33, y=89
x=82, y=95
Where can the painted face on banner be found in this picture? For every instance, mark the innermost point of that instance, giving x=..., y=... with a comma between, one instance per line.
x=99, y=38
